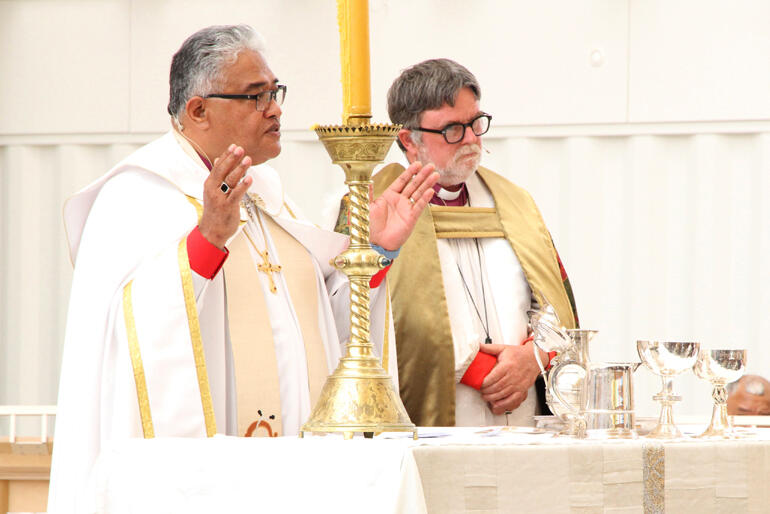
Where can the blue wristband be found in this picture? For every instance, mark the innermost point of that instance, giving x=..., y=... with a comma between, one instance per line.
x=390, y=254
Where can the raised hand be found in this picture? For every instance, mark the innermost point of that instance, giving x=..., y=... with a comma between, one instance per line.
x=221, y=212
x=393, y=215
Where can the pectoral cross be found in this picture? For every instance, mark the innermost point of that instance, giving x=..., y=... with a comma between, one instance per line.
x=268, y=269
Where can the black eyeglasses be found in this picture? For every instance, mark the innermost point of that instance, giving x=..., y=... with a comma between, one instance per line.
x=455, y=132
x=263, y=99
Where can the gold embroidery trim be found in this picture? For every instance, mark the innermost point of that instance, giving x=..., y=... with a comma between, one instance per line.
x=289, y=210
x=195, y=337
x=198, y=207
x=654, y=458
x=468, y=235
x=136, y=363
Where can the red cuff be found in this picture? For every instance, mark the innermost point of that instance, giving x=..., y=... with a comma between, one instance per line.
x=551, y=355
x=378, y=277
x=205, y=259
x=478, y=370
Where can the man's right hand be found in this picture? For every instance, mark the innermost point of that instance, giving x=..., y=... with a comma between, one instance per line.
x=506, y=385
x=221, y=211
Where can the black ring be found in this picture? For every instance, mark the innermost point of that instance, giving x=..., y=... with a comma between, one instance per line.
x=224, y=188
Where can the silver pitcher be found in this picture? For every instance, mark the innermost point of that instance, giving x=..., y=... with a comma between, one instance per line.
x=608, y=400
x=565, y=380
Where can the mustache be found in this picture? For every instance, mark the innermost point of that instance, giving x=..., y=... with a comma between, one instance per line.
x=463, y=151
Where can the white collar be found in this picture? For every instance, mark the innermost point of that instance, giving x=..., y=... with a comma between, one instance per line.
x=448, y=195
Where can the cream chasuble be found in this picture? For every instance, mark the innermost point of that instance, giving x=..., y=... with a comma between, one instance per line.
x=148, y=351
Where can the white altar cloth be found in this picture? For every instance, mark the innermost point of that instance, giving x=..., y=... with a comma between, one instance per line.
x=457, y=470
x=231, y=474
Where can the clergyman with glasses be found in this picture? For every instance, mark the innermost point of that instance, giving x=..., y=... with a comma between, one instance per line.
x=196, y=277
x=478, y=259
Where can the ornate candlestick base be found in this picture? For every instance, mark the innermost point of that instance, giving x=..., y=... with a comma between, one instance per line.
x=360, y=395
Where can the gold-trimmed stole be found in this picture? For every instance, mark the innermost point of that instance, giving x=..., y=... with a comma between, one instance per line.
x=251, y=335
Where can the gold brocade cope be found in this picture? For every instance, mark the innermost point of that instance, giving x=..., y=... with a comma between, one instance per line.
x=251, y=335
x=420, y=314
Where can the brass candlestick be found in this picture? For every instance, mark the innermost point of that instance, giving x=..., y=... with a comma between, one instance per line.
x=360, y=395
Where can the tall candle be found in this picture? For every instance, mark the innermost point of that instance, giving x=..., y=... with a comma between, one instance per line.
x=353, y=19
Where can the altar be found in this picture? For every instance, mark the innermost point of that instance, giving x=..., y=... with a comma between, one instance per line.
x=446, y=470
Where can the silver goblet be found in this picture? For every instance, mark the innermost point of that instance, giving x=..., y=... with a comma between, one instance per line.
x=667, y=359
x=720, y=367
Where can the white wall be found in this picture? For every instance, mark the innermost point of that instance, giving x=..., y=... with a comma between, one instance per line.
x=641, y=127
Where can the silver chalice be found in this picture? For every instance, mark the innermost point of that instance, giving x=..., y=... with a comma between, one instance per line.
x=667, y=359
x=720, y=367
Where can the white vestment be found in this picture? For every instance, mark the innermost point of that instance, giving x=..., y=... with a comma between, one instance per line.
x=508, y=298
x=129, y=228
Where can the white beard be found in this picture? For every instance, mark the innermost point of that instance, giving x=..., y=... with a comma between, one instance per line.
x=458, y=169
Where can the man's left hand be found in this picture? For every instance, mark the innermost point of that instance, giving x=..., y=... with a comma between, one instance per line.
x=515, y=372
x=393, y=215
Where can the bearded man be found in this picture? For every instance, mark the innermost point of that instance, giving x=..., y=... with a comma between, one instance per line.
x=202, y=302
x=478, y=259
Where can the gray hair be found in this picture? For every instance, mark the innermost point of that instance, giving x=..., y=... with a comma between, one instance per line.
x=197, y=65
x=425, y=86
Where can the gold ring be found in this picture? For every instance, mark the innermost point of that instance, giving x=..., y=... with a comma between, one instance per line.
x=411, y=200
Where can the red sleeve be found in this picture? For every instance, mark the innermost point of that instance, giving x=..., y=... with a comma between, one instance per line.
x=551, y=355
x=378, y=277
x=478, y=370
x=205, y=259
